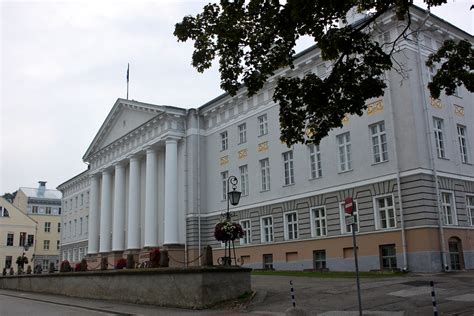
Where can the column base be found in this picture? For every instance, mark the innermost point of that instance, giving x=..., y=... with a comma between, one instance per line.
x=176, y=255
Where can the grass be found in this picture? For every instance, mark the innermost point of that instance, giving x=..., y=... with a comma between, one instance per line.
x=329, y=274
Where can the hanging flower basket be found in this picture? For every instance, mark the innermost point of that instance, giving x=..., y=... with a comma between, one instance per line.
x=228, y=231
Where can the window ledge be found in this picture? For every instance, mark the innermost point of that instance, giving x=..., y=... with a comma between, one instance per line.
x=345, y=171
x=443, y=158
x=379, y=163
x=288, y=185
x=313, y=179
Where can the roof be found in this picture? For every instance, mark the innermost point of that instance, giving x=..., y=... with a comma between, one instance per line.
x=48, y=193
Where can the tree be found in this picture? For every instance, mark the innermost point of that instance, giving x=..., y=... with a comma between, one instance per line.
x=253, y=39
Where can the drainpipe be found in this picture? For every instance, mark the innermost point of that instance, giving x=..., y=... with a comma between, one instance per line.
x=186, y=190
x=399, y=191
x=422, y=79
x=199, y=184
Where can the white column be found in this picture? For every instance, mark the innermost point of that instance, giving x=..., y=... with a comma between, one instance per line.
x=94, y=216
x=171, y=192
x=133, y=233
x=151, y=209
x=118, y=227
x=106, y=211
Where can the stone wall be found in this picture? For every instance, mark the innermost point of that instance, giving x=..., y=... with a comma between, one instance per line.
x=195, y=287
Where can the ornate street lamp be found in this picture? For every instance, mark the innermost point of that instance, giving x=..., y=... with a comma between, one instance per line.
x=233, y=197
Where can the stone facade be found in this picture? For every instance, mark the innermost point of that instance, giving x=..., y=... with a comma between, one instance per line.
x=158, y=174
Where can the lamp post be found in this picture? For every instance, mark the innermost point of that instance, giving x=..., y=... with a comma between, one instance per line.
x=233, y=197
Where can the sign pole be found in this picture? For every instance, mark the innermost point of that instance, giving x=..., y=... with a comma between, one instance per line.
x=349, y=207
x=354, y=243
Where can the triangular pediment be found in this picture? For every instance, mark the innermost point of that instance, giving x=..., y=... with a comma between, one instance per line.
x=124, y=117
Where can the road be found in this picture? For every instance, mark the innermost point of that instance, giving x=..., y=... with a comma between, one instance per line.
x=408, y=295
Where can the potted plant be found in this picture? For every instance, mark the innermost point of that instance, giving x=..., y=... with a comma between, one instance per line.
x=121, y=263
x=21, y=261
x=65, y=266
x=155, y=258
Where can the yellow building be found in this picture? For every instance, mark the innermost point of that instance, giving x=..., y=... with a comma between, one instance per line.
x=17, y=235
x=44, y=207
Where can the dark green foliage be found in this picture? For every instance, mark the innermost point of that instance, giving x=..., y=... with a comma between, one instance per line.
x=457, y=67
x=253, y=39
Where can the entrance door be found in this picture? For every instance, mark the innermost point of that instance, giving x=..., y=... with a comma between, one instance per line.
x=455, y=253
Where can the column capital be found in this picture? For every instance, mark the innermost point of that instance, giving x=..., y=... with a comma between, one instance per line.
x=119, y=165
x=134, y=157
x=172, y=139
x=150, y=149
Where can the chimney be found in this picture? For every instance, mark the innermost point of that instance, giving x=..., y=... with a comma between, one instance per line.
x=41, y=188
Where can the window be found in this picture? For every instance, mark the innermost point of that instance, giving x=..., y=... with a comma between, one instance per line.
x=439, y=140
x=388, y=257
x=81, y=254
x=319, y=259
x=224, y=141
x=244, y=180
x=379, y=142
x=22, y=239
x=75, y=227
x=288, y=167
x=318, y=221
x=4, y=212
x=65, y=205
x=267, y=229
x=69, y=255
x=59, y=210
x=76, y=199
x=31, y=240
x=65, y=229
x=45, y=264
x=344, y=150
x=242, y=133
x=47, y=227
x=462, y=143
x=265, y=174
x=76, y=255
x=224, y=176
x=291, y=226
x=87, y=197
x=48, y=210
x=268, y=262
x=262, y=125
x=385, y=212
x=46, y=244
x=80, y=226
x=346, y=229
x=470, y=208
x=58, y=244
x=10, y=238
x=8, y=262
x=82, y=199
x=86, y=227
x=70, y=204
x=449, y=212
x=315, y=161
x=247, y=239
x=59, y=227
x=70, y=229
x=34, y=209
x=64, y=255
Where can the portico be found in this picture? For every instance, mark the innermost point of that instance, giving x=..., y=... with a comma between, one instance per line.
x=134, y=179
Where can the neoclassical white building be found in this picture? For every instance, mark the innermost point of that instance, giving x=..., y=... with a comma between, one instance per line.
x=158, y=174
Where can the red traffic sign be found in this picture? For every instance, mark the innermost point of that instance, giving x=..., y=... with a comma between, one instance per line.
x=348, y=205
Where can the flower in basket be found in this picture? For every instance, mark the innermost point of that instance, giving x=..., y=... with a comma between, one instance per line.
x=228, y=231
x=21, y=261
x=121, y=263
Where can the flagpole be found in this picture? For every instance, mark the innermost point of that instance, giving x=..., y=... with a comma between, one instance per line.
x=128, y=77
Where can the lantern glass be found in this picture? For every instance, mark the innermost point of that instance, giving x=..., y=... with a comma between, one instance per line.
x=234, y=197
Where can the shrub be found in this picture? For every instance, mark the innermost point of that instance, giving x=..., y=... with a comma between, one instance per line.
x=83, y=265
x=28, y=270
x=77, y=267
x=121, y=263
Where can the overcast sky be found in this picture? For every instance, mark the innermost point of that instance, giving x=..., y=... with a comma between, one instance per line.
x=63, y=65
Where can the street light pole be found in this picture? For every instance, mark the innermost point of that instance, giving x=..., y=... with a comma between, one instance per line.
x=233, y=197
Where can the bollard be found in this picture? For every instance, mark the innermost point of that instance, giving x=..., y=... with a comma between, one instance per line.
x=433, y=299
x=293, y=301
